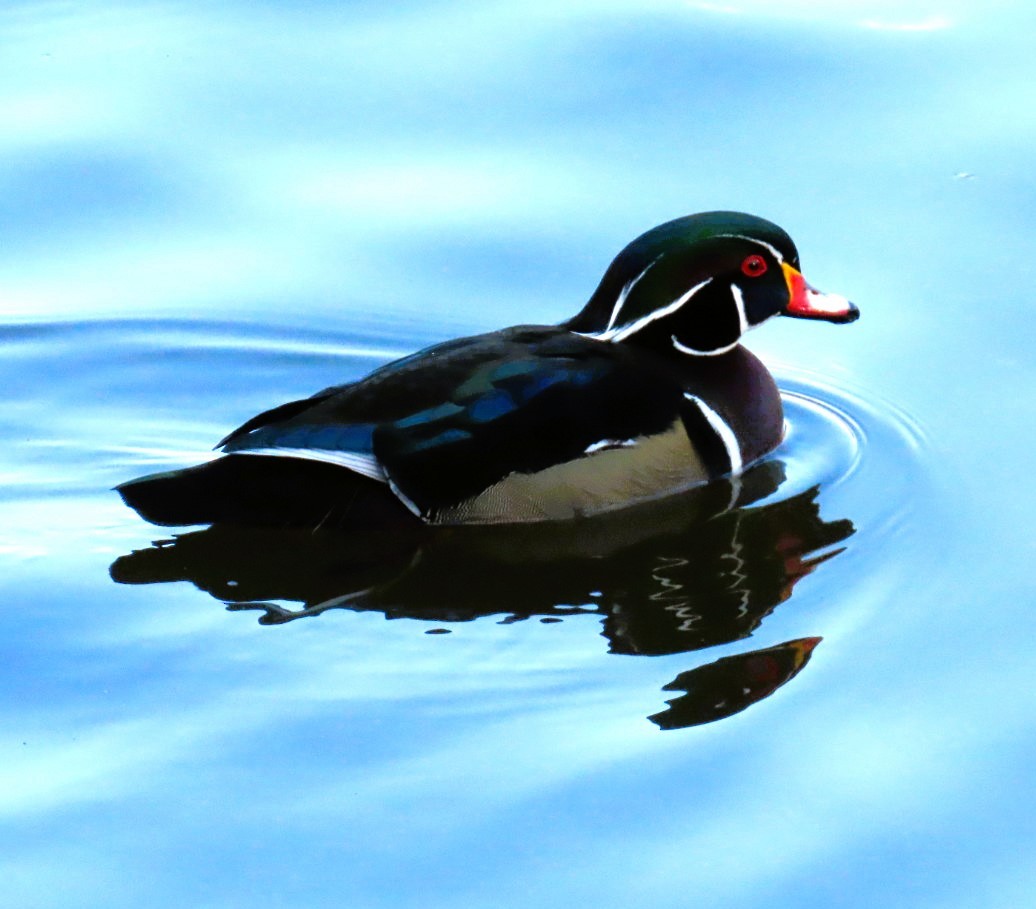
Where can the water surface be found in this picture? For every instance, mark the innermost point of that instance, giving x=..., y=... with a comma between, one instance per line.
x=206, y=213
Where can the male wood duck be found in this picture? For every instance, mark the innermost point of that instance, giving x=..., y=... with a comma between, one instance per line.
x=645, y=392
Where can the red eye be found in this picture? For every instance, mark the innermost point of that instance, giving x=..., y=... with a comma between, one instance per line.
x=754, y=266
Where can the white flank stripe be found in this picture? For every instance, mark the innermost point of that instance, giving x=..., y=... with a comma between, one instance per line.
x=725, y=433
x=365, y=465
x=406, y=501
x=624, y=331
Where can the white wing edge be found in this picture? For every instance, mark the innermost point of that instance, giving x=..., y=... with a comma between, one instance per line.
x=363, y=464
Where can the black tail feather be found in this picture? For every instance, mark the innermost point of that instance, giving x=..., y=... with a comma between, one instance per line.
x=265, y=491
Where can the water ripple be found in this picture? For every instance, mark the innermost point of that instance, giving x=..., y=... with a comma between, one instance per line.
x=867, y=453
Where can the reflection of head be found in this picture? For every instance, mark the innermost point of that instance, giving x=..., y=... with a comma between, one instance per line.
x=729, y=685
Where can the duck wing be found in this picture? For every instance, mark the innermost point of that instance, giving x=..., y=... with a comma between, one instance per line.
x=442, y=426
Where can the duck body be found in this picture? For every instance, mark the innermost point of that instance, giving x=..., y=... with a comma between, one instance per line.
x=532, y=423
x=646, y=392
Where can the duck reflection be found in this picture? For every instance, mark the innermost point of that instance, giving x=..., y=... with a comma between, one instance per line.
x=731, y=684
x=693, y=571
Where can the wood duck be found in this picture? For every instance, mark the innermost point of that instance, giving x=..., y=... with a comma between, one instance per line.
x=645, y=392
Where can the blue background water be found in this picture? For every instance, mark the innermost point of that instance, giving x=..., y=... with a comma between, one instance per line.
x=206, y=212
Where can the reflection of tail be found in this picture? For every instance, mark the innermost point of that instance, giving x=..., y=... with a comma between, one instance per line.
x=729, y=685
x=243, y=565
x=248, y=489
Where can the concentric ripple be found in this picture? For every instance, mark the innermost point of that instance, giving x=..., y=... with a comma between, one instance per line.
x=865, y=452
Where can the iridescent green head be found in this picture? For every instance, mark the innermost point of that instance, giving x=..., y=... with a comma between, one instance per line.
x=698, y=283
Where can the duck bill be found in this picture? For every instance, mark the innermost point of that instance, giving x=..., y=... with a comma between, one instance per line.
x=804, y=647
x=806, y=303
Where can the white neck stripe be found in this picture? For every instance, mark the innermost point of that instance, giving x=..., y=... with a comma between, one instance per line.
x=683, y=348
x=624, y=331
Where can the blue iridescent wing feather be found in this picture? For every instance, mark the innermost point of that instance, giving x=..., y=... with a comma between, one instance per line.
x=447, y=423
x=528, y=412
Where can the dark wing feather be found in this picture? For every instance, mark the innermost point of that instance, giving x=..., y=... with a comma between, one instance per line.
x=392, y=391
x=272, y=416
x=541, y=405
x=448, y=422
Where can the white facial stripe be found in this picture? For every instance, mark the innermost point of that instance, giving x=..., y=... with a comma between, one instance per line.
x=683, y=348
x=722, y=430
x=363, y=464
x=773, y=249
x=742, y=322
x=625, y=292
x=624, y=331
x=615, y=332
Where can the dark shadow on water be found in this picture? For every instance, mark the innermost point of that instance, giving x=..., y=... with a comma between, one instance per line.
x=694, y=571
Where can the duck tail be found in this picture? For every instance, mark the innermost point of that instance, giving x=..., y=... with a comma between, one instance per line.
x=264, y=491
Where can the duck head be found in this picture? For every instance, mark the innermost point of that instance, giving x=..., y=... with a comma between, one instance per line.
x=696, y=284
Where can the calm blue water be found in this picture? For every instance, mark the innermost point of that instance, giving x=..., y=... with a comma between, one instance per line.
x=205, y=212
